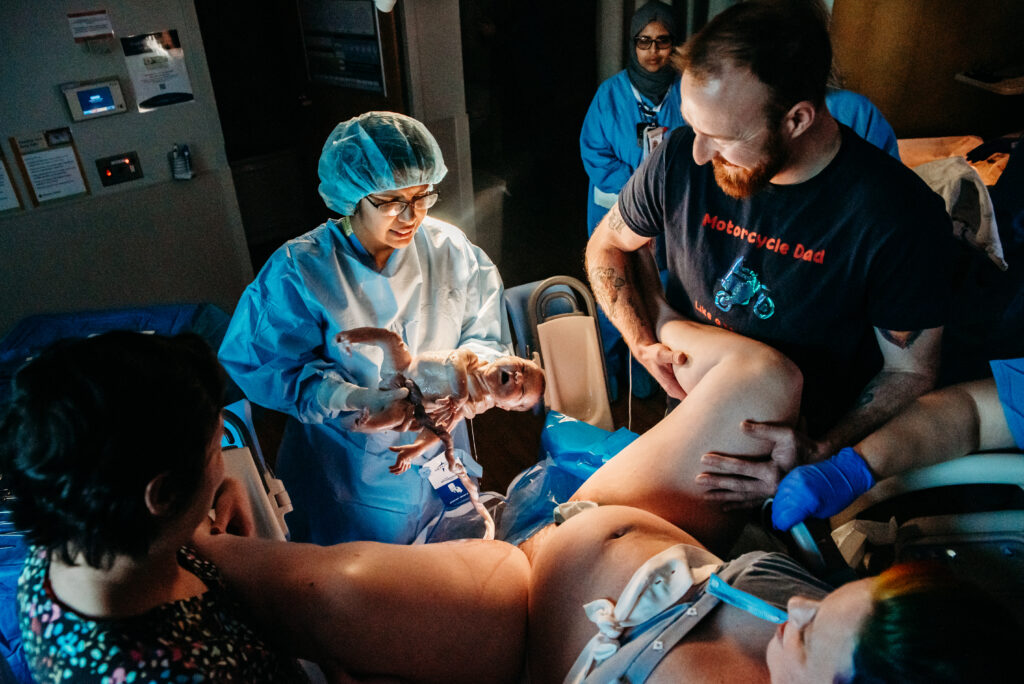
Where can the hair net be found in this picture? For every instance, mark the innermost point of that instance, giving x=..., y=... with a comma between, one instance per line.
x=376, y=152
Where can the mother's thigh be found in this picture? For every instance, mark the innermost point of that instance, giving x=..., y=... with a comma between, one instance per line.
x=731, y=379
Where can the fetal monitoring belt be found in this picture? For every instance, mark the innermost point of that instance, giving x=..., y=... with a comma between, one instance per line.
x=649, y=605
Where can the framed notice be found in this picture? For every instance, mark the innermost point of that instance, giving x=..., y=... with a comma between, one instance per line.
x=49, y=161
x=90, y=25
x=9, y=197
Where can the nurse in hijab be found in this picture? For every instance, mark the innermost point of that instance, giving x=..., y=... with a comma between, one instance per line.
x=632, y=112
x=383, y=263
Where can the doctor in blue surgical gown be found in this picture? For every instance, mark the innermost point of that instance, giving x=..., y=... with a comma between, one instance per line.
x=383, y=264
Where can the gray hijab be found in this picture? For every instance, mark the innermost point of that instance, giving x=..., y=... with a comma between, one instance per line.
x=652, y=86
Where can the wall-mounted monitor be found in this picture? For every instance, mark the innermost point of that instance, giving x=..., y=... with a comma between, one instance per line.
x=92, y=100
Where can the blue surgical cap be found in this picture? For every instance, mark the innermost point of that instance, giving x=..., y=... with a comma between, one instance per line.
x=376, y=152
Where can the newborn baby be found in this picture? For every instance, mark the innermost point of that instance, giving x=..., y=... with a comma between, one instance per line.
x=449, y=386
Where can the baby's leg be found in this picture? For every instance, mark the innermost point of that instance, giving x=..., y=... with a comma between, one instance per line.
x=728, y=379
x=396, y=355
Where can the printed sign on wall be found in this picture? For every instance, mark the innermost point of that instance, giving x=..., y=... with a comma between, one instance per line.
x=156, y=65
x=50, y=164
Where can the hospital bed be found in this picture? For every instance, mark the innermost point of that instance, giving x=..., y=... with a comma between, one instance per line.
x=986, y=545
x=967, y=513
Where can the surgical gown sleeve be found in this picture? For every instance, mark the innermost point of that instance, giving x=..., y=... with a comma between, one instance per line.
x=273, y=344
x=485, y=326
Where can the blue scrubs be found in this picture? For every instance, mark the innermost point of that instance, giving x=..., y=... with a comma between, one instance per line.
x=439, y=293
x=1009, y=375
x=858, y=112
x=608, y=146
x=608, y=141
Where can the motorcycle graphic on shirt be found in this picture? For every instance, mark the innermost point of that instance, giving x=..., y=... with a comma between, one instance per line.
x=742, y=286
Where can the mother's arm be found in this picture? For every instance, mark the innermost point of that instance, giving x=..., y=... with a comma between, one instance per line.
x=453, y=612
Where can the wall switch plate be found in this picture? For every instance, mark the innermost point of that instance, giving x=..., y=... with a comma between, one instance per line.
x=119, y=168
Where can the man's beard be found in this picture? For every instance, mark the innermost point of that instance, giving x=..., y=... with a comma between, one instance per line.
x=741, y=183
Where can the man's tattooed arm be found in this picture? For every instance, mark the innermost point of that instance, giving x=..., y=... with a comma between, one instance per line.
x=910, y=368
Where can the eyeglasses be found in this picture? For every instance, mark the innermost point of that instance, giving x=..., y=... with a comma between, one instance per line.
x=645, y=42
x=396, y=207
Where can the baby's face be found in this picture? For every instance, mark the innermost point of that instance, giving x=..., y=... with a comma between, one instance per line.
x=516, y=384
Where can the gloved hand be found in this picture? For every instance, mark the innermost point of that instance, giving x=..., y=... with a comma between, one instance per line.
x=820, y=489
x=381, y=409
x=375, y=409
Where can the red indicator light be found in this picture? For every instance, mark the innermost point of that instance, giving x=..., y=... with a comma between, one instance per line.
x=108, y=173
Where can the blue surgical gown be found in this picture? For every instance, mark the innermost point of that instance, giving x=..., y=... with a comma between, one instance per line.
x=441, y=292
x=608, y=141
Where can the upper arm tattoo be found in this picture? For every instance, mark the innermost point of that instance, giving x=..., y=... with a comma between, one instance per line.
x=615, y=221
x=904, y=339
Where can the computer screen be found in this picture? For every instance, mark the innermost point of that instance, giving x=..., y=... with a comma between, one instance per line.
x=96, y=100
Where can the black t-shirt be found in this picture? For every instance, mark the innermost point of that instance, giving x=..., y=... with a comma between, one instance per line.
x=808, y=268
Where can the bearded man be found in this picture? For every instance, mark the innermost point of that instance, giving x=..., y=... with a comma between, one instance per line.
x=783, y=225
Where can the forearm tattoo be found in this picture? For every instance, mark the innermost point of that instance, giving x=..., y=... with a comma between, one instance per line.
x=866, y=396
x=607, y=283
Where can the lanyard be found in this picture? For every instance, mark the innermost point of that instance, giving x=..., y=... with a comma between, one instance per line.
x=648, y=113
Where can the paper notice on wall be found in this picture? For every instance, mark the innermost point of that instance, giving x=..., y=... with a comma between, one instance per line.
x=156, y=66
x=50, y=164
x=8, y=194
x=89, y=25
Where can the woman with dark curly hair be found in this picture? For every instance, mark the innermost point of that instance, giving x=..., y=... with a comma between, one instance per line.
x=112, y=447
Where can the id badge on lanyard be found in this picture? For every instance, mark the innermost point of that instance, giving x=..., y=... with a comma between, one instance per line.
x=648, y=133
x=653, y=135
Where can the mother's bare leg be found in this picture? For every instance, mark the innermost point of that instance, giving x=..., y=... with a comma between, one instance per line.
x=728, y=379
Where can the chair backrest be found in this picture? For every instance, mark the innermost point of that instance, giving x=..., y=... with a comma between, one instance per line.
x=560, y=323
x=517, y=304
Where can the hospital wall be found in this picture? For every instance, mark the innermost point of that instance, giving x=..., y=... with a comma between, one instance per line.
x=905, y=55
x=147, y=241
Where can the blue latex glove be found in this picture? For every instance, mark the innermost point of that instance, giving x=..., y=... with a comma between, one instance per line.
x=820, y=489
